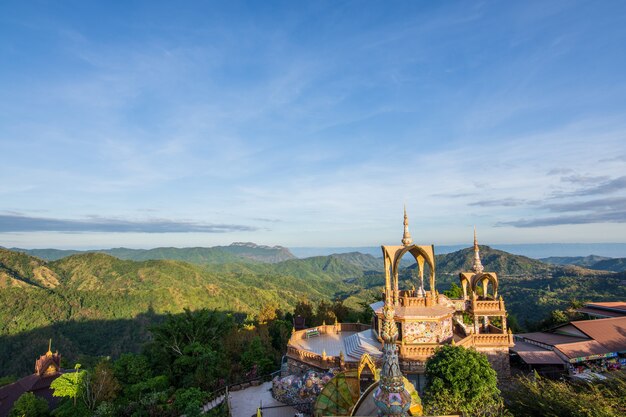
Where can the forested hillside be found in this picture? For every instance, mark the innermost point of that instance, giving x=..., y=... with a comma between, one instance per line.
x=94, y=303
x=235, y=252
x=599, y=263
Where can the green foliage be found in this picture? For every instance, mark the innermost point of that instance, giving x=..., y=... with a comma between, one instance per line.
x=132, y=368
x=454, y=291
x=460, y=379
x=6, y=380
x=188, y=347
x=280, y=332
x=304, y=309
x=69, y=385
x=257, y=355
x=106, y=409
x=534, y=396
x=324, y=314
x=29, y=405
x=103, y=386
x=68, y=409
x=189, y=401
x=141, y=389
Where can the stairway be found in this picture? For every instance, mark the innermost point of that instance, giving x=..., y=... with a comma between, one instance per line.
x=213, y=403
x=358, y=344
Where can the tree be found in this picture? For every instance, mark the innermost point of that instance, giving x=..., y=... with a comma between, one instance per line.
x=280, y=332
x=69, y=384
x=189, y=347
x=189, y=401
x=324, y=313
x=256, y=354
x=304, y=309
x=29, y=405
x=267, y=313
x=454, y=292
x=461, y=379
x=100, y=386
x=131, y=369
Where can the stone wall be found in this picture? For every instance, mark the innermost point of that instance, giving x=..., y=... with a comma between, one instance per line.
x=499, y=360
x=295, y=367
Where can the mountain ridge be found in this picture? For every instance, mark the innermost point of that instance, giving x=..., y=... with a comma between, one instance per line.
x=235, y=252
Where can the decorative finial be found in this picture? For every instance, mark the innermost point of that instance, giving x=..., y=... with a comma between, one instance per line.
x=49, y=352
x=406, y=237
x=478, y=266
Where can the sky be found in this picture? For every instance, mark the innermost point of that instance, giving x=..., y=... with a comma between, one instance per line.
x=148, y=123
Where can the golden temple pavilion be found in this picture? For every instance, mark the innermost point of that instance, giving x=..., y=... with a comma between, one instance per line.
x=424, y=319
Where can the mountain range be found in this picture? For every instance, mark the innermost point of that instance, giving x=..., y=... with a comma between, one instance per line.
x=600, y=263
x=98, y=304
x=235, y=252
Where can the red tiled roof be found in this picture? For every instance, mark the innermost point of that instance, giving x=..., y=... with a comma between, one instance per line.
x=38, y=385
x=597, y=311
x=618, y=305
x=551, y=339
x=582, y=349
x=611, y=332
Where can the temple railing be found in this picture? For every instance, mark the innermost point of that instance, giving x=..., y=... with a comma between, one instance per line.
x=409, y=298
x=318, y=360
x=490, y=339
x=330, y=329
x=422, y=352
x=406, y=301
x=416, y=351
x=487, y=306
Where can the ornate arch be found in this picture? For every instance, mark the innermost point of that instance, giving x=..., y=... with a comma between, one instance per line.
x=366, y=361
x=485, y=277
x=392, y=256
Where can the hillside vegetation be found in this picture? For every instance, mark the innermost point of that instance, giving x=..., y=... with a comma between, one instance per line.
x=235, y=252
x=121, y=298
x=595, y=262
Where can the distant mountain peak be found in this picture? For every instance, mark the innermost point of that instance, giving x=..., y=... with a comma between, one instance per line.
x=255, y=246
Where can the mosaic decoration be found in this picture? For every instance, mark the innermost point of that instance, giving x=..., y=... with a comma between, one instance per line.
x=301, y=391
x=427, y=331
x=338, y=396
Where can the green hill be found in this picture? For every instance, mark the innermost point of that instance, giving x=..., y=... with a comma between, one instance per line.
x=236, y=252
x=100, y=288
x=585, y=261
x=613, y=264
x=364, y=261
x=503, y=263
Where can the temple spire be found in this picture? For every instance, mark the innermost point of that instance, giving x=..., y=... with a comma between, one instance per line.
x=477, y=267
x=49, y=352
x=391, y=398
x=406, y=237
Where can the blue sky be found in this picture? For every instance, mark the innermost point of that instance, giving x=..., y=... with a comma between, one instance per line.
x=144, y=123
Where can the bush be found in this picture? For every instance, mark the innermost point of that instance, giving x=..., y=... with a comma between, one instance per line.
x=29, y=405
x=532, y=396
x=461, y=379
